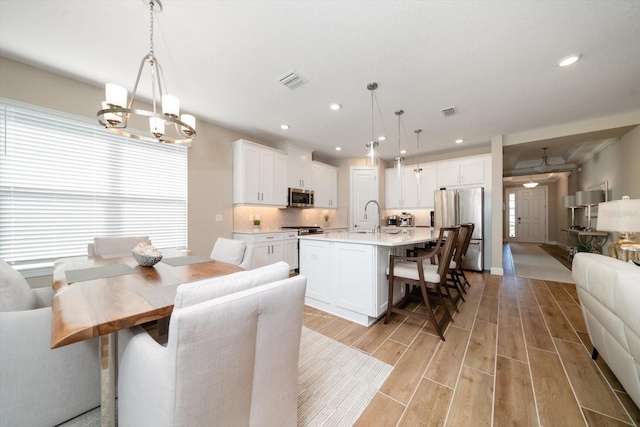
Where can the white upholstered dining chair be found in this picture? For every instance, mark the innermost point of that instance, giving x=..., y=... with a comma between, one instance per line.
x=234, y=252
x=40, y=386
x=115, y=246
x=231, y=358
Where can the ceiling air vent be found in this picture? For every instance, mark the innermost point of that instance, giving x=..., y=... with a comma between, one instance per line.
x=448, y=112
x=292, y=80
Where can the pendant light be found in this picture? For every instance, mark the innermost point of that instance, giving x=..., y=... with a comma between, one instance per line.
x=530, y=184
x=398, y=163
x=418, y=169
x=372, y=145
x=165, y=108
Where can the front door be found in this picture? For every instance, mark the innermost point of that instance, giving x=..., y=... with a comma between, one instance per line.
x=364, y=187
x=531, y=212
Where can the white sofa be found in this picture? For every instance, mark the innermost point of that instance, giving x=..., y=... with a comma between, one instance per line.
x=609, y=292
x=40, y=387
x=231, y=358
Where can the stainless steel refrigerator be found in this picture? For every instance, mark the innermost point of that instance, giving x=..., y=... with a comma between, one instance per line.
x=453, y=207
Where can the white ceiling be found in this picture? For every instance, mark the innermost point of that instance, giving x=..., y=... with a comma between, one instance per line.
x=495, y=61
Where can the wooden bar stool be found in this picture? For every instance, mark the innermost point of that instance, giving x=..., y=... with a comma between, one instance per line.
x=426, y=277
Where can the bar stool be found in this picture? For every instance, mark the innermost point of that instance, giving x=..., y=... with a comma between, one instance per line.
x=426, y=277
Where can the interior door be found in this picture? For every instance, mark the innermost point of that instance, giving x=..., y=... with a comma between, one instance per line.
x=364, y=187
x=531, y=211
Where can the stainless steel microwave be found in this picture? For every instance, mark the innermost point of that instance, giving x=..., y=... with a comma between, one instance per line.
x=300, y=198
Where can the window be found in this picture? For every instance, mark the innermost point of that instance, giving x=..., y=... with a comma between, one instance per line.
x=512, y=215
x=64, y=180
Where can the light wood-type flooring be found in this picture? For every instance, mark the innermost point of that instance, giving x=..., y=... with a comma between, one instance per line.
x=517, y=354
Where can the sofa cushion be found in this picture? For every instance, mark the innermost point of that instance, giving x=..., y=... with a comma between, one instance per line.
x=196, y=292
x=15, y=292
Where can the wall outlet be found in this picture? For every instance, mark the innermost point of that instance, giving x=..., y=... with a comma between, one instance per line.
x=306, y=217
x=250, y=217
x=218, y=218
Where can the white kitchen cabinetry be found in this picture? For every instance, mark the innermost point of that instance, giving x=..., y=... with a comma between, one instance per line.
x=325, y=185
x=259, y=175
x=291, y=249
x=427, y=186
x=401, y=191
x=462, y=172
x=268, y=248
x=315, y=256
x=299, y=170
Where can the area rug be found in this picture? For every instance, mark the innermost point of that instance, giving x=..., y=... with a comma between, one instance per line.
x=532, y=262
x=335, y=384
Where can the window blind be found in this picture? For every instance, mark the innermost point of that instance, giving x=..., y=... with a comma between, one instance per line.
x=64, y=180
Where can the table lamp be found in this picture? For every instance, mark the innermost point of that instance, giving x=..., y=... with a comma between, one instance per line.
x=587, y=199
x=570, y=202
x=621, y=216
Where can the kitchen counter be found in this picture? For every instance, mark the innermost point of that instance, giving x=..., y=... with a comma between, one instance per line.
x=389, y=237
x=346, y=271
x=262, y=231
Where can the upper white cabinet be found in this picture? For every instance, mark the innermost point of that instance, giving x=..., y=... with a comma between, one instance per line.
x=324, y=185
x=259, y=174
x=427, y=186
x=401, y=191
x=460, y=173
x=299, y=165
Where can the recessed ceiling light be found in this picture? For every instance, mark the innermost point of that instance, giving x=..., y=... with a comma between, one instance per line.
x=285, y=127
x=338, y=148
x=571, y=59
x=459, y=141
x=335, y=107
x=382, y=138
x=403, y=151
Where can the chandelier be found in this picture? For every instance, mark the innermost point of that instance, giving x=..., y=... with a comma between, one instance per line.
x=372, y=146
x=165, y=122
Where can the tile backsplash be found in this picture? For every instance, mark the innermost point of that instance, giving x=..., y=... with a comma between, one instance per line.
x=275, y=218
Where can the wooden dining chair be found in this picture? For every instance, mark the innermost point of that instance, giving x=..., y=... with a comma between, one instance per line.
x=427, y=280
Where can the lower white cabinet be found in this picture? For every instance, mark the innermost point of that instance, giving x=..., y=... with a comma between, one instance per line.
x=269, y=248
x=315, y=256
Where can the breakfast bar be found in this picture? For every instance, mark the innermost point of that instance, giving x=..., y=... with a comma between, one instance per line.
x=346, y=271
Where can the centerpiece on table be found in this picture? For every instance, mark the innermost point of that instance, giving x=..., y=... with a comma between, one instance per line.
x=146, y=255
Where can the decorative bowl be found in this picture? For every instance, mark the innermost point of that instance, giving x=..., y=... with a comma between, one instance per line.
x=146, y=260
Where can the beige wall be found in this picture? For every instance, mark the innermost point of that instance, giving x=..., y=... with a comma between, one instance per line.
x=630, y=163
x=209, y=159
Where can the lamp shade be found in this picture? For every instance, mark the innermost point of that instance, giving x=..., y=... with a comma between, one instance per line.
x=622, y=216
x=589, y=198
x=569, y=201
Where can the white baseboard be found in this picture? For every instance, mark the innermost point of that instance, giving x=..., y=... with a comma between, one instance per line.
x=497, y=271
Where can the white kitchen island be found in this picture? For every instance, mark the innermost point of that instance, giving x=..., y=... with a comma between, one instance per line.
x=346, y=272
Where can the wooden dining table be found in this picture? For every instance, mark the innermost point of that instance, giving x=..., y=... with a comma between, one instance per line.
x=97, y=297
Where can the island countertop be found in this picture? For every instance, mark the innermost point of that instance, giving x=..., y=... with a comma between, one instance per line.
x=384, y=238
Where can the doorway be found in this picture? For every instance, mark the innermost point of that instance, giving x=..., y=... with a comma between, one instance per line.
x=527, y=215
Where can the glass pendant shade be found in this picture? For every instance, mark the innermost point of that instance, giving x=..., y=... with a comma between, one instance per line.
x=372, y=153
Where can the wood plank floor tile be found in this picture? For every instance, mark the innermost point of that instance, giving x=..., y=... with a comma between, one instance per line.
x=595, y=419
x=573, y=312
x=481, y=350
x=514, y=402
x=334, y=328
x=528, y=303
x=472, y=400
x=492, y=287
x=535, y=331
x=381, y=412
x=390, y=351
x=557, y=406
x=446, y=363
x=407, y=372
x=508, y=305
x=428, y=327
x=604, y=368
x=428, y=406
x=317, y=319
x=408, y=330
x=559, y=326
x=560, y=293
x=590, y=387
x=630, y=406
x=511, y=339
x=488, y=309
x=542, y=293
x=467, y=315
x=351, y=334
x=571, y=290
x=378, y=333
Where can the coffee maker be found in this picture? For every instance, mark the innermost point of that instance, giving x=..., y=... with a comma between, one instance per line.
x=392, y=220
x=406, y=220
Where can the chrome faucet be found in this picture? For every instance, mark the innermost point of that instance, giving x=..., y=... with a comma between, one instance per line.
x=377, y=229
